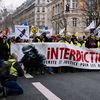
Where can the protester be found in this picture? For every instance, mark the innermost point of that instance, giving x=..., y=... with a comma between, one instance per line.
x=80, y=42
x=9, y=72
x=4, y=49
x=32, y=60
x=91, y=42
x=74, y=39
x=68, y=39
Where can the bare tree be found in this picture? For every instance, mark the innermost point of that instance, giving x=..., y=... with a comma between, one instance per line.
x=91, y=11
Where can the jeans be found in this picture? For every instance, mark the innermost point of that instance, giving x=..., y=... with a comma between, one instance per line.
x=50, y=69
x=13, y=88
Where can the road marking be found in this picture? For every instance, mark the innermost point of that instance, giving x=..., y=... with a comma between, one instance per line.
x=28, y=75
x=47, y=93
x=4, y=99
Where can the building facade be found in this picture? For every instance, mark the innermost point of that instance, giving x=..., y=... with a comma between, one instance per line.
x=32, y=12
x=68, y=14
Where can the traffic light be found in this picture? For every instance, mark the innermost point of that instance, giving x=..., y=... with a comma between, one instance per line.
x=67, y=8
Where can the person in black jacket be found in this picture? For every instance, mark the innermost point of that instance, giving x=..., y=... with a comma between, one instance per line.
x=9, y=72
x=32, y=60
x=91, y=42
x=4, y=49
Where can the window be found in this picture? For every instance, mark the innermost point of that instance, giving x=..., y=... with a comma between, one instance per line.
x=91, y=5
x=74, y=22
x=68, y=2
x=87, y=22
x=43, y=17
x=53, y=11
x=43, y=9
x=38, y=1
x=38, y=16
x=43, y=1
x=38, y=9
x=58, y=7
x=38, y=23
x=74, y=4
x=43, y=23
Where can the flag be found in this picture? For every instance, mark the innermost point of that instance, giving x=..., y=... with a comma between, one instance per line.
x=62, y=32
x=91, y=26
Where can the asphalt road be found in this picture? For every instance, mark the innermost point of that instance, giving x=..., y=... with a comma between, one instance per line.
x=66, y=86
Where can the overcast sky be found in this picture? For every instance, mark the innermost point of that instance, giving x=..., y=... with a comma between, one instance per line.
x=13, y=3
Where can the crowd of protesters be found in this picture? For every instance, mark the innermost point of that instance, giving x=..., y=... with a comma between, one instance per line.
x=92, y=41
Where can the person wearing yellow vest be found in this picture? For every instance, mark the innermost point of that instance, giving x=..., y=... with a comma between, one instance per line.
x=13, y=71
x=68, y=39
x=41, y=40
x=9, y=80
x=44, y=38
x=80, y=42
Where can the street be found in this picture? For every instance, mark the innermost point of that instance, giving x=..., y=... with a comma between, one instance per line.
x=64, y=86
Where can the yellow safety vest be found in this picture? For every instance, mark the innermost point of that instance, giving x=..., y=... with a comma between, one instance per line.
x=13, y=71
x=98, y=44
x=8, y=45
x=8, y=48
x=80, y=45
x=43, y=40
x=69, y=43
x=60, y=41
x=39, y=40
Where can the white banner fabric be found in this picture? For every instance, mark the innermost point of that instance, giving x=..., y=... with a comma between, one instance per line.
x=62, y=54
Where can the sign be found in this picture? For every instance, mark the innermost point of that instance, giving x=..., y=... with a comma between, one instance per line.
x=21, y=32
x=62, y=54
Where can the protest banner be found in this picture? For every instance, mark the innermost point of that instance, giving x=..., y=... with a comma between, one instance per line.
x=62, y=54
x=21, y=32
